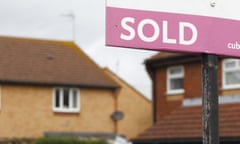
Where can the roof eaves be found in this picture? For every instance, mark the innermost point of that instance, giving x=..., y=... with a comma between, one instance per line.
x=181, y=59
x=59, y=84
x=169, y=141
x=109, y=72
x=224, y=140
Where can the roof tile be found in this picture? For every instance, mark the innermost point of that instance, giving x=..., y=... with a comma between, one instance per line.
x=49, y=62
x=186, y=122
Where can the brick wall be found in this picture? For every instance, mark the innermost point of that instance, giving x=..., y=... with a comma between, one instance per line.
x=163, y=105
x=27, y=112
x=136, y=108
x=192, y=86
x=192, y=80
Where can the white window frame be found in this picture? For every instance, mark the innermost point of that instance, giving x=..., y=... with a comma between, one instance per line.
x=61, y=108
x=170, y=76
x=225, y=70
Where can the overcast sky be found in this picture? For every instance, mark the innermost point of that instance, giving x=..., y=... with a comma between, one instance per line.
x=51, y=19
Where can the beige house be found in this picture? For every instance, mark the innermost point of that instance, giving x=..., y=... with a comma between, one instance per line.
x=136, y=108
x=52, y=86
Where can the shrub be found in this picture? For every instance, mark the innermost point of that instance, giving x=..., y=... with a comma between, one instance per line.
x=68, y=140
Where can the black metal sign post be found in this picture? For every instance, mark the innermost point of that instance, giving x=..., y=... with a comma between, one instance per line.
x=210, y=123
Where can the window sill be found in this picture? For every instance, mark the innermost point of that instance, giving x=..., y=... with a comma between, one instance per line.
x=230, y=87
x=177, y=92
x=66, y=111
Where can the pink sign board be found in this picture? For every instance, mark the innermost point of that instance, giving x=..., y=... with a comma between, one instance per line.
x=163, y=31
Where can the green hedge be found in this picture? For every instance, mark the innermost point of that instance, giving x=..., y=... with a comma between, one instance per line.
x=66, y=140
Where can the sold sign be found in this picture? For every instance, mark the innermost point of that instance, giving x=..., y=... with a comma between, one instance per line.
x=162, y=31
x=131, y=33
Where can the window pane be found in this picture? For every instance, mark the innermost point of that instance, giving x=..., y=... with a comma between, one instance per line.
x=176, y=84
x=174, y=71
x=57, y=98
x=233, y=77
x=230, y=64
x=65, y=98
x=74, y=92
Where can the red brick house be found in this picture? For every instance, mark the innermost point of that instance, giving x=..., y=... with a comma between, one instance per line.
x=177, y=99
